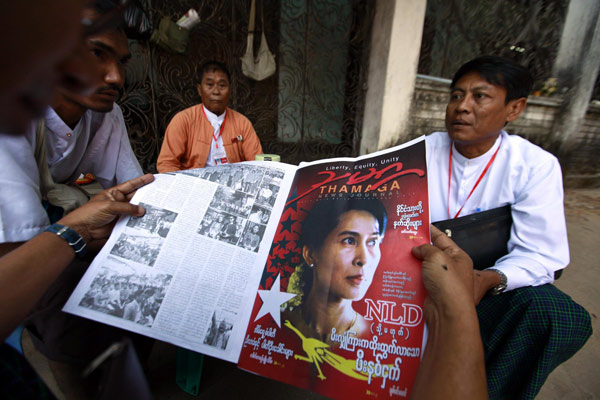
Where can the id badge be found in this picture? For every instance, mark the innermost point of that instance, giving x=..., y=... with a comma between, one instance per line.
x=220, y=156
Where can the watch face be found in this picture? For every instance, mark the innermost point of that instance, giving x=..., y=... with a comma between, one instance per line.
x=502, y=286
x=498, y=289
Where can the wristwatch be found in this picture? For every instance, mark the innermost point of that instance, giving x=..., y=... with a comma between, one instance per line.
x=72, y=238
x=502, y=286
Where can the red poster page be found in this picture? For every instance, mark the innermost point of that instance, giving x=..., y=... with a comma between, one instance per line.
x=339, y=307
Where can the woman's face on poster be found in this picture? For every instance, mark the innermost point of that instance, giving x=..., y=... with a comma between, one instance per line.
x=348, y=259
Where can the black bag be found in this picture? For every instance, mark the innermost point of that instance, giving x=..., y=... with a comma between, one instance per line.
x=483, y=236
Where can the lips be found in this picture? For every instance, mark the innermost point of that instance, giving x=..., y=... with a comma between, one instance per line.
x=109, y=94
x=355, y=280
x=460, y=122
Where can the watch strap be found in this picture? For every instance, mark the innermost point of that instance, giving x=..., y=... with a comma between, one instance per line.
x=503, y=282
x=72, y=238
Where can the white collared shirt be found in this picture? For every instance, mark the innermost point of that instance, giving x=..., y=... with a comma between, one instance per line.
x=523, y=175
x=21, y=213
x=216, y=147
x=99, y=144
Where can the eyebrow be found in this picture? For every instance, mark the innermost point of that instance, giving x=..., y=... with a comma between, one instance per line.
x=356, y=234
x=480, y=87
x=110, y=49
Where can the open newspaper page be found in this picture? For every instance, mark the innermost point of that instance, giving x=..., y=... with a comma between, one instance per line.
x=187, y=271
x=339, y=307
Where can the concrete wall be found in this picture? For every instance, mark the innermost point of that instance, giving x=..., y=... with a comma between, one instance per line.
x=581, y=168
x=393, y=60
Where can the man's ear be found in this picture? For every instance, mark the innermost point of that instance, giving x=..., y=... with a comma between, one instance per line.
x=515, y=107
x=307, y=255
x=198, y=87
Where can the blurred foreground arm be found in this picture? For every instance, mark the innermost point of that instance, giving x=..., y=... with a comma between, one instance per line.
x=453, y=363
x=27, y=271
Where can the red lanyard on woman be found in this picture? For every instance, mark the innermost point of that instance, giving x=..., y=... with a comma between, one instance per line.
x=220, y=129
x=476, y=183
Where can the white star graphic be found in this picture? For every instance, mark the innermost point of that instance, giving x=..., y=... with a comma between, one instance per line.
x=272, y=300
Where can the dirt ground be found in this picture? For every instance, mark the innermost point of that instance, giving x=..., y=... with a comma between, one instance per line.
x=578, y=377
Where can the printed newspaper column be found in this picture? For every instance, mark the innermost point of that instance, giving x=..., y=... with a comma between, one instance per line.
x=339, y=308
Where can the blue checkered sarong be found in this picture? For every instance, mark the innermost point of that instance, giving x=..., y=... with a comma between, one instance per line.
x=526, y=333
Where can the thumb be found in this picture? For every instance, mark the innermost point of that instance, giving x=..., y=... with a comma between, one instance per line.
x=426, y=252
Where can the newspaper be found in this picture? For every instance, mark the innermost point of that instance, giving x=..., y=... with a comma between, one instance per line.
x=256, y=262
x=187, y=271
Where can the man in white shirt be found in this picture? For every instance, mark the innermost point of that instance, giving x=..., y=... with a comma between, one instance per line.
x=476, y=166
x=82, y=134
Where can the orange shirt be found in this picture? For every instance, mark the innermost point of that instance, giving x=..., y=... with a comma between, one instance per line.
x=188, y=138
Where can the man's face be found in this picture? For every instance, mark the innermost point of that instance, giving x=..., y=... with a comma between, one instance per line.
x=476, y=111
x=111, y=52
x=39, y=52
x=215, y=91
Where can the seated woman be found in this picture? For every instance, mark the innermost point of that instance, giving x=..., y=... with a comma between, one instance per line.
x=340, y=246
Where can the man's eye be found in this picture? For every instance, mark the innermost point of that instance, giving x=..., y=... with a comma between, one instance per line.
x=455, y=96
x=349, y=240
x=479, y=95
x=97, y=52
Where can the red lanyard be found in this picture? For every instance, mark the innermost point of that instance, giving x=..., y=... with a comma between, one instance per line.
x=220, y=129
x=478, y=179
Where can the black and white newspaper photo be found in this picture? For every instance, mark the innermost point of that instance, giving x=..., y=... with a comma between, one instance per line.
x=121, y=291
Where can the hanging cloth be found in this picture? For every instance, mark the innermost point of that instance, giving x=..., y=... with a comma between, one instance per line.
x=263, y=66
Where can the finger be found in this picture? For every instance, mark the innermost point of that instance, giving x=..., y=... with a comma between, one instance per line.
x=130, y=186
x=447, y=245
x=116, y=195
x=122, y=208
x=441, y=240
x=112, y=194
x=428, y=252
x=102, y=196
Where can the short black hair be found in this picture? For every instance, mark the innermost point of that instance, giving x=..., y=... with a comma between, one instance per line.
x=325, y=216
x=500, y=71
x=212, y=66
x=108, y=16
